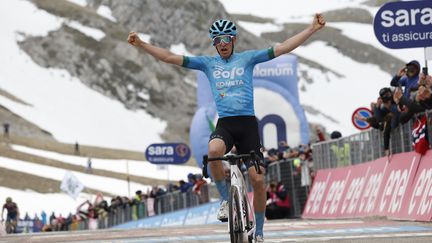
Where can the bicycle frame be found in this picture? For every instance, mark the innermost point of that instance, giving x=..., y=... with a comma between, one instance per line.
x=239, y=201
x=238, y=181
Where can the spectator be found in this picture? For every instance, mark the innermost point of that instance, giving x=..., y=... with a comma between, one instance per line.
x=68, y=222
x=408, y=77
x=185, y=186
x=12, y=212
x=37, y=224
x=199, y=183
x=278, y=203
x=420, y=101
x=6, y=129
x=320, y=135
x=271, y=156
x=172, y=187
x=385, y=117
x=44, y=217
x=60, y=223
x=138, y=197
x=306, y=180
x=52, y=219
x=335, y=135
x=77, y=149
x=89, y=166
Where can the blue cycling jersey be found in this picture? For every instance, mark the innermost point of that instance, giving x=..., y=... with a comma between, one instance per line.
x=231, y=79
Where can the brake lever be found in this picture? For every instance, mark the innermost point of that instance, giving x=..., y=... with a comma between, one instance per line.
x=204, y=169
x=255, y=162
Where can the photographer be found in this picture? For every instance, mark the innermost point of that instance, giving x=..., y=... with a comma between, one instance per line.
x=408, y=76
x=385, y=115
x=421, y=100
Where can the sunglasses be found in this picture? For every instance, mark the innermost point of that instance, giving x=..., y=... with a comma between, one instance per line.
x=222, y=38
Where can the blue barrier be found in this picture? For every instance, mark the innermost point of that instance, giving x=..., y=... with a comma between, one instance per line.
x=203, y=214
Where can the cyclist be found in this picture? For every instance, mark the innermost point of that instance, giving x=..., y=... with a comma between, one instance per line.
x=12, y=212
x=230, y=75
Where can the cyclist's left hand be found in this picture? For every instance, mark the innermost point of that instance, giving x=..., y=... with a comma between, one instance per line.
x=318, y=22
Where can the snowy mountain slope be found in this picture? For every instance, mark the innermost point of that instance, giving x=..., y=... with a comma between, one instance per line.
x=60, y=103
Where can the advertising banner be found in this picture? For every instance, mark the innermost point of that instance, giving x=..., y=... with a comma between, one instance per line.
x=399, y=188
x=397, y=181
x=418, y=201
x=375, y=172
x=327, y=193
x=168, y=153
x=404, y=24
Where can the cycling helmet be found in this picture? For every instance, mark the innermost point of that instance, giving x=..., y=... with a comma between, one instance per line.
x=8, y=199
x=222, y=27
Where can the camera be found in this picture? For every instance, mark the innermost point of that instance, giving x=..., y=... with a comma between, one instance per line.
x=386, y=94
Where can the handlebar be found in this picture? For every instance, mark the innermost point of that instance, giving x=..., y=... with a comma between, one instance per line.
x=232, y=159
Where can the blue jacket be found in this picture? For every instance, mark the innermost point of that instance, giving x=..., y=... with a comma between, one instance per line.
x=408, y=83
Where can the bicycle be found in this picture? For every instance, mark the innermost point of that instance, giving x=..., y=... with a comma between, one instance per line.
x=241, y=217
x=10, y=226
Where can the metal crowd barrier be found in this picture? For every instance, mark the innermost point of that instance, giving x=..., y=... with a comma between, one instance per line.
x=179, y=200
x=284, y=171
x=364, y=146
x=125, y=213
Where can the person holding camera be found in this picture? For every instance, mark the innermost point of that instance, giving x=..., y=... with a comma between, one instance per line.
x=421, y=99
x=385, y=115
x=408, y=76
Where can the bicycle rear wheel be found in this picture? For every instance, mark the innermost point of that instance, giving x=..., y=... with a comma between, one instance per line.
x=235, y=217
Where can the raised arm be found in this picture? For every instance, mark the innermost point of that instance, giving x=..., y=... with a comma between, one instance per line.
x=161, y=54
x=295, y=41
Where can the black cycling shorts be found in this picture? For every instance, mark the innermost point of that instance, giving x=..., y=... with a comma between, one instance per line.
x=241, y=132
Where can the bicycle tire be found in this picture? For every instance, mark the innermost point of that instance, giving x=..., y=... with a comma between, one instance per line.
x=250, y=223
x=235, y=215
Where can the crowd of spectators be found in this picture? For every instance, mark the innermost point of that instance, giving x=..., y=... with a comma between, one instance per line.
x=102, y=213
x=408, y=95
x=301, y=157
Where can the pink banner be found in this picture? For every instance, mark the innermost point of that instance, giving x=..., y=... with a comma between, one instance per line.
x=398, y=179
x=327, y=193
x=399, y=188
x=374, y=176
x=418, y=201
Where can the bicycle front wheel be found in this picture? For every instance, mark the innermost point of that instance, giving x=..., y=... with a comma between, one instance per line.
x=236, y=226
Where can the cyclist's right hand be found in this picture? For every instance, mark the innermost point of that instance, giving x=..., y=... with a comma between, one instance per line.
x=133, y=38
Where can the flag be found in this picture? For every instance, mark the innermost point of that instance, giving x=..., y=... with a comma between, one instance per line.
x=419, y=135
x=210, y=124
x=71, y=185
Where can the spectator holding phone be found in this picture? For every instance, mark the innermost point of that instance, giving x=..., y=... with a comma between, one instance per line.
x=408, y=76
x=421, y=100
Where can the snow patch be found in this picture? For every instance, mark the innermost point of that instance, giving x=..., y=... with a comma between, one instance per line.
x=88, y=31
x=106, y=12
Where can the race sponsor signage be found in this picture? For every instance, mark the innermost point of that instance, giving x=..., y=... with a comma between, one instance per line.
x=397, y=188
x=397, y=181
x=418, y=202
x=404, y=24
x=168, y=153
x=326, y=193
x=374, y=174
x=357, y=116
